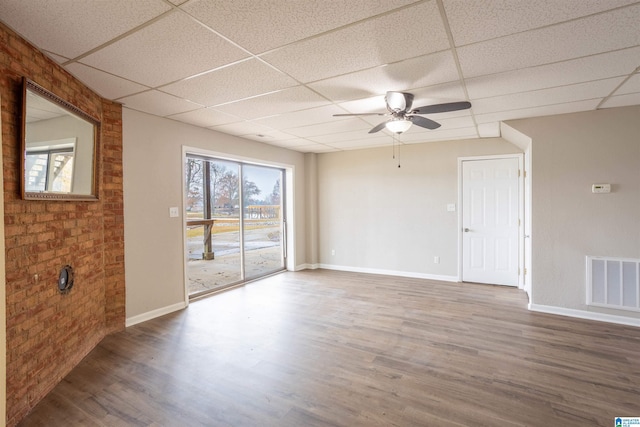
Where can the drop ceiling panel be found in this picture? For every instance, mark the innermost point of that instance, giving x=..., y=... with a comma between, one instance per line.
x=475, y=21
x=262, y=25
x=337, y=125
x=622, y=100
x=205, y=117
x=271, y=136
x=596, y=34
x=630, y=86
x=70, y=28
x=241, y=80
x=364, y=45
x=316, y=148
x=357, y=144
x=346, y=136
x=297, y=98
x=243, y=128
x=439, y=135
x=426, y=70
x=548, y=110
x=292, y=143
x=173, y=48
x=305, y=117
x=559, y=95
x=158, y=103
x=518, y=59
x=613, y=64
x=107, y=85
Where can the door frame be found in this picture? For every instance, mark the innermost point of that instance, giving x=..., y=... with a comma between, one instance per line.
x=521, y=209
x=288, y=205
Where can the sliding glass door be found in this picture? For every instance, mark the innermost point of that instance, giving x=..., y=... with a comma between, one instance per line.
x=234, y=222
x=263, y=222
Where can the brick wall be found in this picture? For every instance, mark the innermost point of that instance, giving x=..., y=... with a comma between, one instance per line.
x=48, y=333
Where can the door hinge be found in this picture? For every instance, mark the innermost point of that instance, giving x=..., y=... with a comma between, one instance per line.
x=518, y=173
x=525, y=271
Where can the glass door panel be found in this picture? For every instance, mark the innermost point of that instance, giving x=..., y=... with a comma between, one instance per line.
x=263, y=220
x=214, y=258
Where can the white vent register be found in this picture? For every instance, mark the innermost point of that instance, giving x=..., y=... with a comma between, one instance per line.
x=613, y=283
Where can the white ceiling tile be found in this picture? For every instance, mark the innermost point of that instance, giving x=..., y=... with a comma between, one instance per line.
x=265, y=24
x=291, y=143
x=272, y=137
x=243, y=128
x=237, y=81
x=358, y=135
x=338, y=125
x=158, y=103
x=426, y=70
x=70, y=28
x=297, y=98
x=612, y=64
x=364, y=45
x=170, y=49
x=472, y=21
x=306, y=117
x=549, y=110
x=439, y=135
x=622, y=100
x=358, y=144
x=205, y=117
x=558, y=95
x=560, y=42
x=315, y=148
x=107, y=85
x=630, y=86
x=489, y=130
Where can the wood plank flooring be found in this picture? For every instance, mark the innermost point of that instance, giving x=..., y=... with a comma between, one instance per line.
x=327, y=348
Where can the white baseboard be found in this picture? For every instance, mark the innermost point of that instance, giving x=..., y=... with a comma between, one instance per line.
x=389, y=272
x=306, y=267
x=154, y=313
x=582, y=314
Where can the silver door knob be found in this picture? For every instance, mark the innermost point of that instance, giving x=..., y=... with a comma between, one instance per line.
x=466, y=230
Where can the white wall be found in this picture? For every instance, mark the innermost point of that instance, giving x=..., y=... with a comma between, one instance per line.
x=381, y=218
x=152, y=167
x=570, y=153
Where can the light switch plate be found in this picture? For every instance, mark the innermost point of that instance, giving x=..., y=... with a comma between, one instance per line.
x=601, y=188
x=174, y=212
x=451, y=207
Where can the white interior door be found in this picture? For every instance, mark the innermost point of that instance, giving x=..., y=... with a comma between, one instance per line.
x=490, y=221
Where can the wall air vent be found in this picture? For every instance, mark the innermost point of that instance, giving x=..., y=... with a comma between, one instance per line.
x=613, y=283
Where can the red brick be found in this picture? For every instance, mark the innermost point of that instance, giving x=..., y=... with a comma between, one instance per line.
x=49, y=333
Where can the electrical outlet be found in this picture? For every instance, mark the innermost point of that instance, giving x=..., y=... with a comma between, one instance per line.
x=333, y=251
x=436, y=260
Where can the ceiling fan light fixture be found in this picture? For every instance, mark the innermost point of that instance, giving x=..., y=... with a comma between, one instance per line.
x=398, y=126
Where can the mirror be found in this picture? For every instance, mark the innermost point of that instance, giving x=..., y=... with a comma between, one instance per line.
x=59, y=143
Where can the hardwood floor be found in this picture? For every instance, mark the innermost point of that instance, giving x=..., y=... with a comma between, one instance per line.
x=327, y=348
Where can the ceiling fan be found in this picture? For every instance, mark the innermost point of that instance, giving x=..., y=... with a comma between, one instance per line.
x=402, y=116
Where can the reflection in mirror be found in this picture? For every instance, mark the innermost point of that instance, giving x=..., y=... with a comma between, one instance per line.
x=59, y=148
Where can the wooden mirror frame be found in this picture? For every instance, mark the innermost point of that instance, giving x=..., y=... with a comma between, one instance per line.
x=72, y=110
